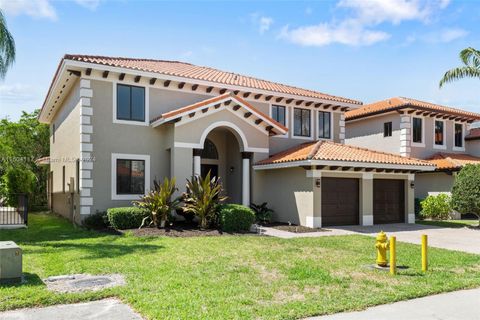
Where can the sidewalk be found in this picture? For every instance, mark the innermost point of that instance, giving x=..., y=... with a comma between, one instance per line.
x=446, y=306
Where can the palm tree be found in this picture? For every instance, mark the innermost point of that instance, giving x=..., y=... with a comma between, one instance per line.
x=471, y=68
x=7, y=47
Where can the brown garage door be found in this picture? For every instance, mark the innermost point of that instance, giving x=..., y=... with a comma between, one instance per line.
x=339, y=202
x=388, y=201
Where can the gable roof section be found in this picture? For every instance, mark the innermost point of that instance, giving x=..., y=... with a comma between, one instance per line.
x=331, y=153
x=399, y=103
x=187, y=70
x=474, y=134
x=452, y=161
x=228, y=100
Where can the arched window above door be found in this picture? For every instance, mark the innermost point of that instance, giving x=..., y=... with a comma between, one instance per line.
x=209, y=150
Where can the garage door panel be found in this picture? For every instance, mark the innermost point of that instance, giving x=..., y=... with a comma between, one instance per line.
x=389, y=201
x=340, y=199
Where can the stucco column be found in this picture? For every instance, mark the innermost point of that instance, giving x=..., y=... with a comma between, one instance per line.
x=197, y=162
x=246, y=178
x=366, y=197
x=410, y=192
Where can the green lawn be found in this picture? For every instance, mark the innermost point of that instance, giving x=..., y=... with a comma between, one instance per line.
x=450, y=223
x=230, y=277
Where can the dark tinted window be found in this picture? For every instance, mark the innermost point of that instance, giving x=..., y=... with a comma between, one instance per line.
x=279, y=114
x=458, y=135
x=417, y=130
x=301, y=122
x=387, y=129
x=130, y=176
x=324, y=127
x=439, y=133
x=130, y=103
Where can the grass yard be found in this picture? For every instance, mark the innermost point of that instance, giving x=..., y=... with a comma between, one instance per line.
x=450, y=223
x=228, y=277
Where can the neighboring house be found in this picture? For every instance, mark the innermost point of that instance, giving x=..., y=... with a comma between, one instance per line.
x=118, y=123
x=413, y=128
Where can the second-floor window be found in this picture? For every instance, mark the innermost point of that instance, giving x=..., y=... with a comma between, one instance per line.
x=324, y=125
x=387, y=129
x=417, y=130
x=302, y=122
x=439, y=136
x=458, y=135
x=130, y=103
x=279, y=114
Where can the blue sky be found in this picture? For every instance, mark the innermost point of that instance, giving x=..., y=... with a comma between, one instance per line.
x=361, y=49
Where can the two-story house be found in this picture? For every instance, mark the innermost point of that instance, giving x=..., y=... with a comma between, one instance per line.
x=423, y=130
x=118, y=123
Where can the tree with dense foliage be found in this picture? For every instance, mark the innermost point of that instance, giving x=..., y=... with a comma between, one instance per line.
x=21, y=143
x=470, y=58
x=7, y=47
x=437, y=207
x=466, y=190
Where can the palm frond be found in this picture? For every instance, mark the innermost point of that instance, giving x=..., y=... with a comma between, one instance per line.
x=7, y=47
x=459, y=73
x=470, y=57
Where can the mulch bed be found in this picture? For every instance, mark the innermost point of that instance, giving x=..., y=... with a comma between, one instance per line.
x=294, y=228
x=181, y=229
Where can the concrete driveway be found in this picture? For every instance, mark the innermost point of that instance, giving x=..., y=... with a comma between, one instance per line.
x=461, y=239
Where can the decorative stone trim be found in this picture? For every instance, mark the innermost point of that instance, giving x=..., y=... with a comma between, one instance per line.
x=341, y=123
x=86, y=147
x=313, y=222
x=405, y=135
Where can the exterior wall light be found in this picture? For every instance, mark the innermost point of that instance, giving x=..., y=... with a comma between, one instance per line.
x=318, y=183
x=412, y=185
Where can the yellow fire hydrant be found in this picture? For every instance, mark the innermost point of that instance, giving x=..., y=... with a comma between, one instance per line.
x=382, y=245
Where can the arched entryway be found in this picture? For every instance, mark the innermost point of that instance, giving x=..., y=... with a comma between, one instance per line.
x=223, y=156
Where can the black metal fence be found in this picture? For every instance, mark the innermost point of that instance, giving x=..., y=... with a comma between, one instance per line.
x=14, y=209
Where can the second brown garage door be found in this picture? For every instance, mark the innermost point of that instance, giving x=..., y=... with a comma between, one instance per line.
x=388, y=201
x=340, y=202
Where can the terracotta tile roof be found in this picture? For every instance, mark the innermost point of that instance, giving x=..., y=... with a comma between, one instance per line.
x=187, y=70
x=474, y=134
x=452, y=161
x=221, y=98
x=331, y=151
x=402, y=103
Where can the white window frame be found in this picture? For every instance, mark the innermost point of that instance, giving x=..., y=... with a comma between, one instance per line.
x=444, y=145
x=332, y=125
x=462, y=148
x=312, y=129
x=418, y=144
x=147, y=105
x=286, y=118
x=115, y=157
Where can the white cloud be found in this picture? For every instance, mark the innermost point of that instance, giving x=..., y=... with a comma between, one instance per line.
x=265, y=24
x=89, y=4
x=441, y=36
x=360, y=27
x=33, y=8
x=449, y=35
x=17, y=92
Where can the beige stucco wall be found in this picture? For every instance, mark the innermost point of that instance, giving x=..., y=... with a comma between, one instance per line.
x=368, y=133
x=64, y=151
x=432, y=182
x=473, y=147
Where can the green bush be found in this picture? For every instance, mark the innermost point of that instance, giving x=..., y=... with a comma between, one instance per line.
x=466, y=190
x=263, y=213
x=235, y=217
x=126, y=217
x=97, y=221
x=436, y=207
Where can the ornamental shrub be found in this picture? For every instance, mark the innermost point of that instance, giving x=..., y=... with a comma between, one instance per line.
x=126, y=217
x=97, y=221
x=466, y=190
x=235, y=217
x=436, y=207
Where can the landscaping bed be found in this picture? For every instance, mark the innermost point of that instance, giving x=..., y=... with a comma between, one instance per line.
x=232, y=277
x=293, y=228
x=180, y=229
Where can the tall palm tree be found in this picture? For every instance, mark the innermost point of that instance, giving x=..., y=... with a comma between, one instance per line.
x=7, y=47
x=471, y=68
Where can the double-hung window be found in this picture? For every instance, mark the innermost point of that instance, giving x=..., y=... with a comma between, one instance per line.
x=130, y=103
x=458, y=135
x=439, y=133
x=302, y=122
x=279, y=114
x=324, y=125
x=387, y=129
x=417, y=130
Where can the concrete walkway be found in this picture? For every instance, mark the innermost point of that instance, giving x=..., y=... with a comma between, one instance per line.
x=447, y=306
x=107, y=309
x=461, y=239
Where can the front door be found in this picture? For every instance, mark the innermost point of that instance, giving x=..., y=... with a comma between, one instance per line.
x=213, y=168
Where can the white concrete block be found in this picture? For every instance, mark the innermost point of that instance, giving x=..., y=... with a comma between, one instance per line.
x=85, y=210
x=86, y=147
x=314, y=222
x=86, y=201
x=85, y=137
x=86, y=183
x=85, y=192
x=86, y=174
x=86, y=102
x=367, y=220
x=411, y=218
x=84, y=83
x=85, y=120
x=86, y=111
x=88, y=93
x=86, y=165
x=86, y=128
